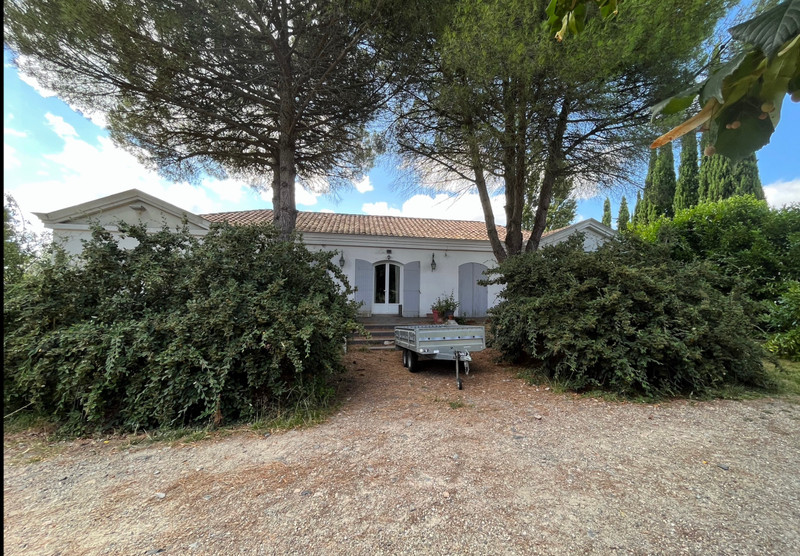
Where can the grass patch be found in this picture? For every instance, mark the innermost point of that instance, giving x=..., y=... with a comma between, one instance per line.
x=783, y=379
x=454, y=404
x=29, y=422
x=303, y=414
x=785, y=375
x=535, y=377
x=30, y=438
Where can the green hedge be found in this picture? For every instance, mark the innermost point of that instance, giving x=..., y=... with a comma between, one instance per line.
x=628, y=318
x=785, y=324
x=741, y=235
x=175, y=331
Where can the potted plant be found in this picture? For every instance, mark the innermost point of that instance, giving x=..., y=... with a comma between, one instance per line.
x=444, y=307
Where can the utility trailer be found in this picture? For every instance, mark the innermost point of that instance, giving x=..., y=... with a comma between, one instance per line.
x=439, y=341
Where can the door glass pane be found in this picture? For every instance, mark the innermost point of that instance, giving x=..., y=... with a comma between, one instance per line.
x=380, y=283
x=394, y=283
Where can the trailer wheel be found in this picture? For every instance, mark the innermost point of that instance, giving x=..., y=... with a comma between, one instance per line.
x=405, y=357
x=466, y=367
x=460, y=386
x=413, y=361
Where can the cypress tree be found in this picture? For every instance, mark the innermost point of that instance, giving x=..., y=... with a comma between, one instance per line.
x=663, y=184
x=715, y=177
x=607, y=212
x=637, y=210
x=643, y=210
x=624, y=215
x=746, y=179
x=686, y=188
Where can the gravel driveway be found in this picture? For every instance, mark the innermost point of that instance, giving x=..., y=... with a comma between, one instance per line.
x=410, y=464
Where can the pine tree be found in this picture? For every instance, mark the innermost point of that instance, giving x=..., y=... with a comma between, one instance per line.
x=663, y=184
x=746, y=179
x=561, y=213
x=686, y=188
x=624, y=215
x=607, y=212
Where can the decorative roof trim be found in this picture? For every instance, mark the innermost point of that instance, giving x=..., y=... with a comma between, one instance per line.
x=130, y=197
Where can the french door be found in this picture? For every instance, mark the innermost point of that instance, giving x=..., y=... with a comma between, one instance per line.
x=386, y=300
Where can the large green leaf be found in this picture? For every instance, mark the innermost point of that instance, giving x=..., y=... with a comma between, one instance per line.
x=772, y=29
x=752, y=133
x=677, y=103
x=713, y=85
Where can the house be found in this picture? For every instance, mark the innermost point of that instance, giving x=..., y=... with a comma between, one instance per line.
x=399, y=266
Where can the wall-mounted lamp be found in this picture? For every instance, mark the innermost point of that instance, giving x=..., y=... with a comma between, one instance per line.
x=433, y=261
x=341, y=260
x=388, y=254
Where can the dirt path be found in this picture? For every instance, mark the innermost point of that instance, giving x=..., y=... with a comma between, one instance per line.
x=410, y=464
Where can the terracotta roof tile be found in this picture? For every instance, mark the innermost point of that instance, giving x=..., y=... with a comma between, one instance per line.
x=368, y=225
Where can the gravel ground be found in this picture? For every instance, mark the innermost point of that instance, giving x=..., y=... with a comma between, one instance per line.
x=410, y=464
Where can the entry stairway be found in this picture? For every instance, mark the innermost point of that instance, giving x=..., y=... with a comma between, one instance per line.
x=381, y=331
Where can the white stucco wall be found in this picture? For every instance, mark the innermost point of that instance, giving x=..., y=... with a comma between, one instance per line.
x=71, y=228
x=449, y=255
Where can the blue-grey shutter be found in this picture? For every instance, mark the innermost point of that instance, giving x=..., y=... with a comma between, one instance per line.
x=411, y=275
x=473, y=300
x=364, y=286
x=480, y=294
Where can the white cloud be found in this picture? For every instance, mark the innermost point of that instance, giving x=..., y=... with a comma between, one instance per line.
x=381, y=208
x=59, y=126
x=304, y=197
x=10, y=160
x=441, y=206
x=782, y=193
x=326, y=211
x=13, y=132
x=98, y=118
x=231, y=190
x=86, y=172
x=363, y=185
x=34, y=83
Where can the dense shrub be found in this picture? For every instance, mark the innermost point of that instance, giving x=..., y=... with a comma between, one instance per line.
x=175, y=331
x=627, y=317
x=785, y=324
x=742, y=236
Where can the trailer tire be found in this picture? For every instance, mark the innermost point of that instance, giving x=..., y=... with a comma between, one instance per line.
x=405, y=357
x=460, y=386
x=413, y=361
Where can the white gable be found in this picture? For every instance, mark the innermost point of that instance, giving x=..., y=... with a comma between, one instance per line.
x=72, y=224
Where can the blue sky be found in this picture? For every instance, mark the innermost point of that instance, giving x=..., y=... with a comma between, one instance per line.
x=54, y=158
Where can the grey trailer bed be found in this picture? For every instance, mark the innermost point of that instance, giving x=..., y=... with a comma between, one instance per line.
x=439, y=341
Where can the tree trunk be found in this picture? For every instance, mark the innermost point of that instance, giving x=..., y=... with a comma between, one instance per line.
x=483, y=193
x=284, y=206
x=285, y=211
x=512, y=160
x=551, y=171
